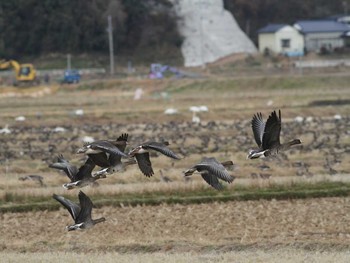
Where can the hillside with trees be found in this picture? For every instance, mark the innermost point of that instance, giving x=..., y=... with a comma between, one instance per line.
x=254, y=14
x=30, y=27
x=141, y=28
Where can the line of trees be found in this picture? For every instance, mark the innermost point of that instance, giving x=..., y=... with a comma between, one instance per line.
x=31, y=27
x=254, y=14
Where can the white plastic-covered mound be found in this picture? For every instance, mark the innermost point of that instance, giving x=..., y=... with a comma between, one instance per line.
x=210, y=32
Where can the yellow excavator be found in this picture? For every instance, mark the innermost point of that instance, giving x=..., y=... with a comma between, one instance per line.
x=25, y=73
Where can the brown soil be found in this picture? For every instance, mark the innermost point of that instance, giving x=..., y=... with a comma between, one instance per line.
x=226, y=226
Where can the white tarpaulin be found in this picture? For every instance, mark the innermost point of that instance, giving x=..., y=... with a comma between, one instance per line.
x=210, y=32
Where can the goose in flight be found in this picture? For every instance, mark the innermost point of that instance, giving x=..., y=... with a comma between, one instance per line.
x=211, y=171
x=79, y=177
x=81, y=213
x=105, y=146
x=33, y=177
x=111, y=160
x=141, y=153
x=267, y=136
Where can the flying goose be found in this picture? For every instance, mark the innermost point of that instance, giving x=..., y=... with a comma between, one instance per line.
x=110, y=160
x=141, y=153
x=79, y=177
x=64, y=165
x=164, y=178
x=80, y=213
x=267, y=136
x=37, y=178
x=104, y=146
x=211, y=171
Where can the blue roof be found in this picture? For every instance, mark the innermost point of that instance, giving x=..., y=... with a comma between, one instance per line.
x=314, y=26
x=271, y=28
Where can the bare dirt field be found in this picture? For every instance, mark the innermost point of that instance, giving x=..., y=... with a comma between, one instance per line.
x=298, y=230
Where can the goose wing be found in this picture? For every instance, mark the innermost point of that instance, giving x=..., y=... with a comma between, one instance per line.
x=64, y=165
x=213, y=167
x=212, y=180
x=162, y=148
x=73, y=208
x=272, y=131
x=108, y=147
x=121, y=142
x=258, y=127
x=86, y=208
x=100, y=159
x=84, y=170
x=144, y=163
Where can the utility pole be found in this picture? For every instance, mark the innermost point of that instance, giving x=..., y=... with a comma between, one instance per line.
x=201, y=18
x=110, y=37
x=68, y=61
x=345, y=6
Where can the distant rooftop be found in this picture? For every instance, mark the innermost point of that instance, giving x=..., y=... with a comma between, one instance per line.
x=313, y=26
x=336, y=17
x=271, y=28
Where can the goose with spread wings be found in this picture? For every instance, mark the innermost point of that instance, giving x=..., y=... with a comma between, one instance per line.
x=81, y=213
x=78, y=177
x=211, y=171
x=141, y=153
x=111, y=160
x=105, y=146
x=267, y=136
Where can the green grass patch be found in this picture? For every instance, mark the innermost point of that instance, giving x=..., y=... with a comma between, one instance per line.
x=15, y=203
x=262, y=83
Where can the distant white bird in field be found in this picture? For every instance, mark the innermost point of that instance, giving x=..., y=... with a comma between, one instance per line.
x=194, y=109
x=299, y=119
x=309, y=119
x=87, y=139
x=5, y=130
x=195, y=118
x=20, y=118
x=269, y=103
x=203, y=108
x=337, y=117
x=59, y=129
x=170, y=111
x=79, y=112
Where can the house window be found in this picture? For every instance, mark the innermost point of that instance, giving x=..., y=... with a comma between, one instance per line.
x=285, y=43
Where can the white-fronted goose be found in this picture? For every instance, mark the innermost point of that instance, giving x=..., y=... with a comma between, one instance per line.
x=267, y=136
x=64, y=165
x=104, y=146
x=110, y=160
x=81, y=213
x=211, y=170
x=33, y=177
x=141, y=153
x=79, y=177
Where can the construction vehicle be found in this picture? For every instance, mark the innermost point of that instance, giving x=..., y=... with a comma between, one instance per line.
x=25, y=74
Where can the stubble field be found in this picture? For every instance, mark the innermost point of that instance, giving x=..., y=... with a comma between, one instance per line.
x=187, y=220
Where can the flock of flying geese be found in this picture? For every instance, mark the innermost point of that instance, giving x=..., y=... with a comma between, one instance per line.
x=111, y=157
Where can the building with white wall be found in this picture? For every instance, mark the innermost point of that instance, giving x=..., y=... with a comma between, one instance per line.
x=281, y=39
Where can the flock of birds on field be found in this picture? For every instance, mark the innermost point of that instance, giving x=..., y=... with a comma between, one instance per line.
x=111, y=155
